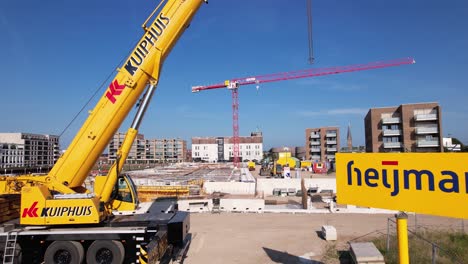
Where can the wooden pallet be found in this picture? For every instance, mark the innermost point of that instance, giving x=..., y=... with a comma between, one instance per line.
x=9, y=207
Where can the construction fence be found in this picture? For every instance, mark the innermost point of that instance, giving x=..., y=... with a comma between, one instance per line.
x=427, y=244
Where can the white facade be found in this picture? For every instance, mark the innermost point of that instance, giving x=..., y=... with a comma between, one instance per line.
x=205, y=152
x=11, y=155
x=220, y=149
x=249, y=151
x=209, y=152
x=450, y=146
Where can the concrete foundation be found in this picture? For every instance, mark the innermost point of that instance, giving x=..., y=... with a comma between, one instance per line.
x=267, y=185
x=243, y=188
x=242, y=205
x=225, y=205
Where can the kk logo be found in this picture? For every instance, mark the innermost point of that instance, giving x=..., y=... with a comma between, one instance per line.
x=31, y=211
x=115, y=89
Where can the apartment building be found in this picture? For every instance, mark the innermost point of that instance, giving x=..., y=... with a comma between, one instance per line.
x=405, y=128
x=148, y=151
x=11, y=155
x=322, y=143
x=219, y=149
x=26, y=150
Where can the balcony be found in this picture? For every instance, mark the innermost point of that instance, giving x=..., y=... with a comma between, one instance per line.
x=331, y=134
x=331, y=149
x=391, y=120
x=425, y=117
x=392, y=145
x=427, y=130
x=331, y=142
x=331, y=157
x=314, y=135
x=315, y=157
x=392, y=132
x=315, y=143
x=424, y=143
x=315, y=149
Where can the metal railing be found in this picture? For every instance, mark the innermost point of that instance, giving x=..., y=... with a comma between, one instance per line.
x=392, y=145
x=391, y=120
x=392, y=132
x=425, y=117
x=428, y=143
x=426, y=130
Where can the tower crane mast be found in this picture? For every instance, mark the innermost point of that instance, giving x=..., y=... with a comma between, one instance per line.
x=235, y=83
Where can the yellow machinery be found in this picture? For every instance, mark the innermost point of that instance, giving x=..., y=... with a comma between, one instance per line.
x=59, y=198
x=285, y=159
x=149, y=192
x=305, y=164
x=251, y=165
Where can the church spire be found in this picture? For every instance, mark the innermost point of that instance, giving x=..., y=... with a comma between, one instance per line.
x=350, y=138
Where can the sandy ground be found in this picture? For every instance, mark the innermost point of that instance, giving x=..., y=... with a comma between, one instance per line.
x=284, y=238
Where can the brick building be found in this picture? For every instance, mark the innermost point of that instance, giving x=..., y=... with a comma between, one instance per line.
x=405, y=128
x=322, y=143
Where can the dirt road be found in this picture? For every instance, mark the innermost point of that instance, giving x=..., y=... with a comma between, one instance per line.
x=283, y=238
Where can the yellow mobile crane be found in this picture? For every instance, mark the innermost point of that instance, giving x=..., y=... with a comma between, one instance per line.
x=63, y=222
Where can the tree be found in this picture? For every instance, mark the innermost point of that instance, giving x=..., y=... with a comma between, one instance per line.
x=456, y=141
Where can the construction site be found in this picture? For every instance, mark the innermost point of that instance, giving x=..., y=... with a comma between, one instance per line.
x=210, y=187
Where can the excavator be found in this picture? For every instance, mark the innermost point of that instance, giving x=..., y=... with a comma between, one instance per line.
x=61, y=221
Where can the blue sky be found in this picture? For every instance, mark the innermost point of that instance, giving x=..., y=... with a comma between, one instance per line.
x=55, y=54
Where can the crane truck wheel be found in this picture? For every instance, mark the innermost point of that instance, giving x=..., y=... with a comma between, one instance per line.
x=105, y=252
x=64, y=252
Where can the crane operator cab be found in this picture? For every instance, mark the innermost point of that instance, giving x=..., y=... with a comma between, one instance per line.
x=125, y=194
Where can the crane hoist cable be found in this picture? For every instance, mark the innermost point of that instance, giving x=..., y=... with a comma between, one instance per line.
x=309, y=27
x=104, y=83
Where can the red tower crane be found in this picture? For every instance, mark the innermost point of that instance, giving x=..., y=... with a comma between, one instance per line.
x=234, y=84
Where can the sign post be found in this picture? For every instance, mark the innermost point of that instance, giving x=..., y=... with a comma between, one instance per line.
x=402, y=231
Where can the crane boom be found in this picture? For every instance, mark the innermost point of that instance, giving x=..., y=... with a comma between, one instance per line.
x=142, y=66
x=313, y=72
